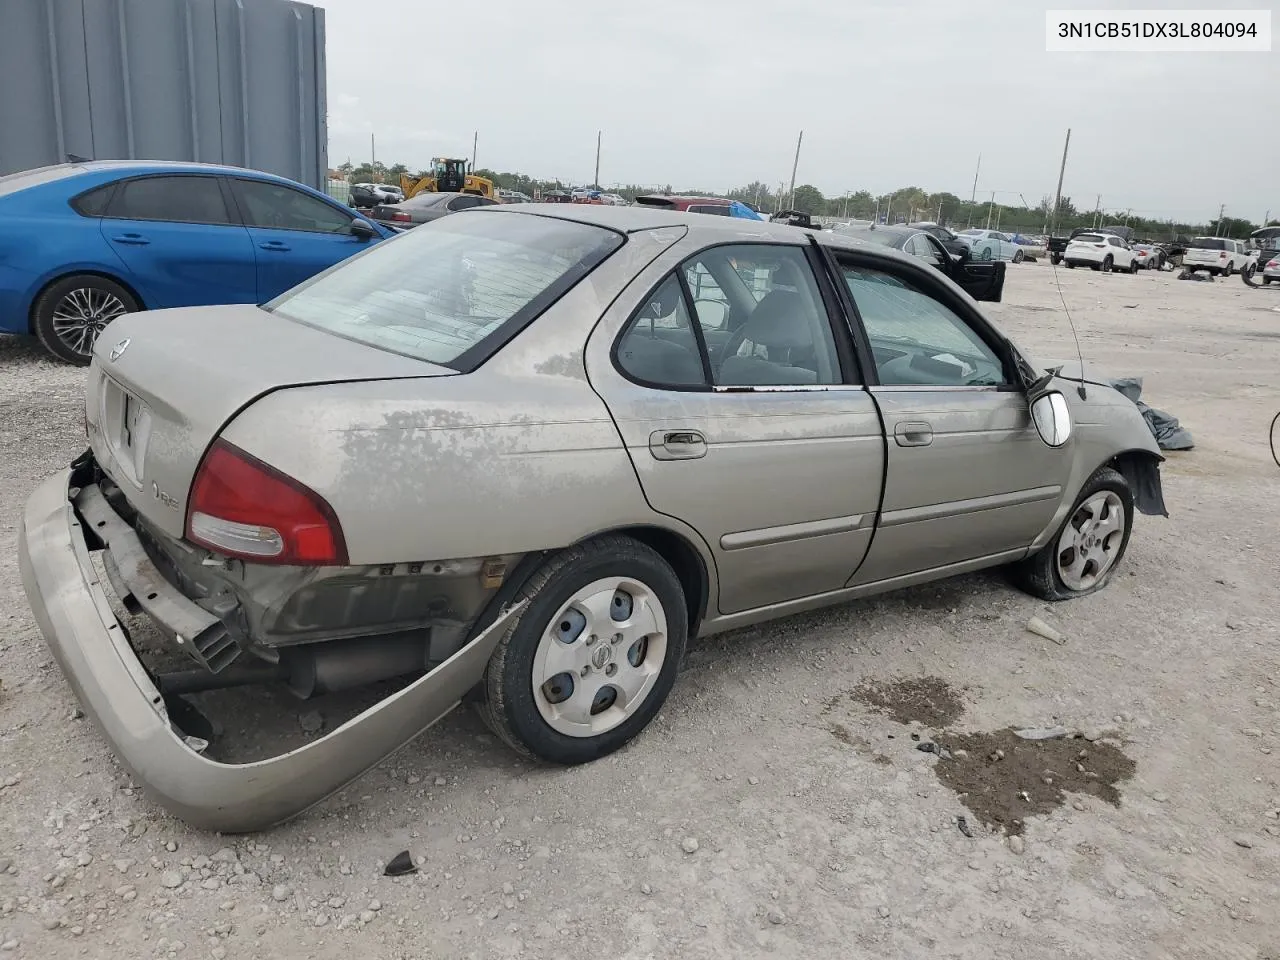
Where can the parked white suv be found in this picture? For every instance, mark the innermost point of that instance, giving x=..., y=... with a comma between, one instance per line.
x=1102, y=251
x=1220, y=255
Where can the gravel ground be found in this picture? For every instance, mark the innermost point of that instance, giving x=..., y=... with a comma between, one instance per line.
x=769, y=810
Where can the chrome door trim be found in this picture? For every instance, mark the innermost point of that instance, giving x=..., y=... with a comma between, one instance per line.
x=792, y=531
x=953, y=508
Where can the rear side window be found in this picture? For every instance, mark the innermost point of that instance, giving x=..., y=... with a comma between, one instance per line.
x=452, y=291
x=280, y=207
x=176, y=199
x=93, y=203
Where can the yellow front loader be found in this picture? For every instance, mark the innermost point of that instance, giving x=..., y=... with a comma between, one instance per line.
x=448, y=175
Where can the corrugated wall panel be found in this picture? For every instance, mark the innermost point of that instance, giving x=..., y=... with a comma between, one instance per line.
x=224, y=81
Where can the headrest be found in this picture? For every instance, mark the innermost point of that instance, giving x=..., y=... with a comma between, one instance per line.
x=777, y=321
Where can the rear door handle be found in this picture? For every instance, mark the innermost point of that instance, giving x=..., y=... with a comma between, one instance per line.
x=133, y=239
x=677, y=444
x=913, y=433
x=278, y=245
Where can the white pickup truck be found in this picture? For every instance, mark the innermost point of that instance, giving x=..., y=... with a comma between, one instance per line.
x=1219, y=255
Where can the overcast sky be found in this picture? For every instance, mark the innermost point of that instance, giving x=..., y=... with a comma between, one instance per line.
x=711, y=94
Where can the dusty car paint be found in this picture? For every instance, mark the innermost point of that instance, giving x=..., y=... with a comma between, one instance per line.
x=552, y=446
x=95, y=655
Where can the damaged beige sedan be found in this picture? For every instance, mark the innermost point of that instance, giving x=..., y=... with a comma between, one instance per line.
x=519, y=456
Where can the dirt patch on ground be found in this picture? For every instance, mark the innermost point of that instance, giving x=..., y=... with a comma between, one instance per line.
x=1004, y=779
x=928, y=700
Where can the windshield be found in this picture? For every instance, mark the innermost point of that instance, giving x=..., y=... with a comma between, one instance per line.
x=438, y=291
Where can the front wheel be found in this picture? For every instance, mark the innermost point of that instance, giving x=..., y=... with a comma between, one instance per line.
x=1018, y=256
x=1133, y=266
x=590, y=661
x=1070, y=265
x=1084, y=553
x=70, y=314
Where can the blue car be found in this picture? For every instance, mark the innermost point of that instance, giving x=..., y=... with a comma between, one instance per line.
x=82, y=243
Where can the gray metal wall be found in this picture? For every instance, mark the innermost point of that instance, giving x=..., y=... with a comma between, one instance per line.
x=220, y=81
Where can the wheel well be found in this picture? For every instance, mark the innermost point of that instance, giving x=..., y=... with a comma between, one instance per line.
x=31, y=314
x=1141, y=468
x=685, y=561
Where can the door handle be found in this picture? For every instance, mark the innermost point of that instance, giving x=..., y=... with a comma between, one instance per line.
x=274, y=245
x=133, y=239
x=913, y=433
x=677, y=444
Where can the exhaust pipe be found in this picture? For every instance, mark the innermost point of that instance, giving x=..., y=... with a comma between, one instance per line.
x=342, y=664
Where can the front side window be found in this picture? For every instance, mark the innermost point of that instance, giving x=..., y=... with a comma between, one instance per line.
x=916, y=339
x=175, y=199
x=280, y=207
x=443, y=290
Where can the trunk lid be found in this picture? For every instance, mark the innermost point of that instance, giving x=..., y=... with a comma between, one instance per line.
x=164, y=383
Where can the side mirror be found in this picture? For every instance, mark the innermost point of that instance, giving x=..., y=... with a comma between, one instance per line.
x=1052, y=418
x=361, y=229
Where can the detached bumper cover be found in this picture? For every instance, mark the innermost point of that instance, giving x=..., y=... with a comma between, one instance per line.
x=93, y=650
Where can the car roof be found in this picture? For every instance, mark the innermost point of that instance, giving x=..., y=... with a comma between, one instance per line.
x=703, y=228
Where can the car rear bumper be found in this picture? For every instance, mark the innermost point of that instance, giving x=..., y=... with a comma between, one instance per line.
x=92, y=647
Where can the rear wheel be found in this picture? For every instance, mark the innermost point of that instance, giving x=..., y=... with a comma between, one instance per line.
x=1133, y=265
x=71, y=313
x=1084, y=553
x=1070, y=265
x=1056, y=259
x=590, y=661
x=986, y=254
x=1231, y=268
x=1018, y=256
x=1107, y=263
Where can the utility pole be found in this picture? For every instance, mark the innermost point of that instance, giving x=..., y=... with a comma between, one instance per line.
x=373, y=162
x=475, y=141
x=1097, y=212
x=1062, y=171
x=877, y=218
x=777, y=203
x=791, y=194
x=973, y=197
x=1222, y=209
x=599, y=135
x=1126, y=216
x=938, y=221
x=991, y=208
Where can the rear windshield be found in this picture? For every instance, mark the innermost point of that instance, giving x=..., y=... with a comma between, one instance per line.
x=441, y=291
x=1089, y=237
x=655, y=202
x=426, y=200
x=1208, y=243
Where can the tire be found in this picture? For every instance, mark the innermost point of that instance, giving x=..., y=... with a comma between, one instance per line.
x=528, y=718
x=1231, y=268
x=1133, y=266
x=1056, y=259
x=72, y=312
x=1070, y=265
x=1018, y=256
x=986, y=254
x=1108, y=262
x=1041, y=575
x=1267, y=280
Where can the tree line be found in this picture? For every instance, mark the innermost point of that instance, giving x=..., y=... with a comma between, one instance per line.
x=905, y=205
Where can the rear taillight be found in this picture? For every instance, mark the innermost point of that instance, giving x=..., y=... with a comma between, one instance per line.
x=243, y=508
x=1272, y=265
x=401, y=216
x=1222, y=255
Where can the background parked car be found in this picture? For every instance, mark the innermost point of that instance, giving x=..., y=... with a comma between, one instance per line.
x=372, y=194
x=1150, y=256
x=1216, y=255
x=1101, y=251
x=83, y=243
x=426, y=207
x=991, y=245
x=947, y=237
